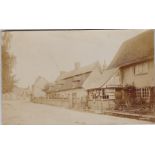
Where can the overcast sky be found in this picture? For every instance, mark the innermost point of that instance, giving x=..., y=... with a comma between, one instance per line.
x=46, y=53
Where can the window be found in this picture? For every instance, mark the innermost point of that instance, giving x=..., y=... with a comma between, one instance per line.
x=143, y=93
x=138, y=93
x=96, y=94
x=141, y=68
x=105, y=96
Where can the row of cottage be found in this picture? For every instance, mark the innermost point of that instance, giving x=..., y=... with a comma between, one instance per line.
x=127, y=81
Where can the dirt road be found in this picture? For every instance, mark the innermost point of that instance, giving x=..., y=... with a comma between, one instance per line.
x=25, y=112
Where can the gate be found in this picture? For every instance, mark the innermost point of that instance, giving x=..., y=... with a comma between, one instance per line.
x=79, y=102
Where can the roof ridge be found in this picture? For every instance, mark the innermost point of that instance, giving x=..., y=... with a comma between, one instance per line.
x=73, y=72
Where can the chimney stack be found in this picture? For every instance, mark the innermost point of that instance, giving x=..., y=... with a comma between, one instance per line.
x=77, y=65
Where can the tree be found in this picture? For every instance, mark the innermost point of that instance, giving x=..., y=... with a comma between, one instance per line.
x=8, y=62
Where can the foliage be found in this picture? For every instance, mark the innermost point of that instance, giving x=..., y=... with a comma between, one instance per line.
x=8, y=62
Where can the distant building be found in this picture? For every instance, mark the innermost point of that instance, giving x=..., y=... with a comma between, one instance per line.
x=22, y=92
x=18, y=93
x=39, y=86
x=135, y=59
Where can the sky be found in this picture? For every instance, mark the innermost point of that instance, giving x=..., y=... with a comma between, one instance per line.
x=46, y=53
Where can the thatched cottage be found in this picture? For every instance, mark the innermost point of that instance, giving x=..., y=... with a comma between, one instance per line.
x=135, y=59
x=71, y=84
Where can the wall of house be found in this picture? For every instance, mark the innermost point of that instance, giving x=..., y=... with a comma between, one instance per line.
x=146, y=79
x=77, y=92
x=37, y=88
x=37, y=92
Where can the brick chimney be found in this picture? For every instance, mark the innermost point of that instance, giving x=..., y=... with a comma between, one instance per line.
x=77, y=65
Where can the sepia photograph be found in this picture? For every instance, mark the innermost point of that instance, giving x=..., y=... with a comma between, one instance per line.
x=78, y=77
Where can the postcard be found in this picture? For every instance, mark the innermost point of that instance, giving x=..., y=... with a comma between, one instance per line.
x=78, y=77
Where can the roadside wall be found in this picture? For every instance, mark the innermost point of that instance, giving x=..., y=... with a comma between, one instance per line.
x=12, y=96
x=100, y=106
x=55, y=102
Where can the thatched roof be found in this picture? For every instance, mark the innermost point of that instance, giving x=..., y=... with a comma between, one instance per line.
x=81, y=70
x=100, y=80
x=76, y=78
x=137, y=49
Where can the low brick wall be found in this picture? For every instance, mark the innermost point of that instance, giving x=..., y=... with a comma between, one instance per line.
x=97, y=106
x=56, y=102
x=79, y=103
x=100, y=106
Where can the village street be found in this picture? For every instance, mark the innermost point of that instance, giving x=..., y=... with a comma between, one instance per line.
x=25, y=112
